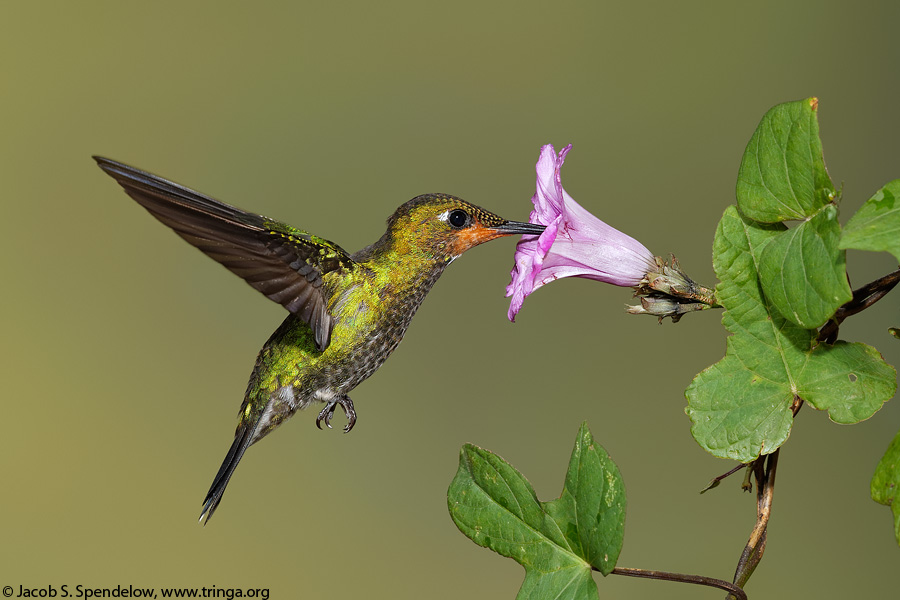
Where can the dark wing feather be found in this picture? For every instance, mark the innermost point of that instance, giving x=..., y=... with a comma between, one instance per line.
x=283, y=263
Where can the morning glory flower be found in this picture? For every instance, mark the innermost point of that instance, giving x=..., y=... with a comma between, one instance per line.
x=575, y=243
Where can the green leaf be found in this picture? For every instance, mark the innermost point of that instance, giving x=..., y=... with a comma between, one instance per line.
x=736, y=414
x=782, y=175
x=876, y=225
x=595, y=495
x=886, y=482
x=740, y=407
x=557, y=542
x=850, y=381
x=803, y=272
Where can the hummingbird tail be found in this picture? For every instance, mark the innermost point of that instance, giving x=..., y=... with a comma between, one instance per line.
x=243, y=437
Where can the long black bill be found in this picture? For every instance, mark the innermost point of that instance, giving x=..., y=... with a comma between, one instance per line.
x=516, y=227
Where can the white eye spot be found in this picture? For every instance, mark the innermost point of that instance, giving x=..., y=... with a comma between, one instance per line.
x=444, y=216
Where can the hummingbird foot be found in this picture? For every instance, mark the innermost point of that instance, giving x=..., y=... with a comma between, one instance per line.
x=328, y=412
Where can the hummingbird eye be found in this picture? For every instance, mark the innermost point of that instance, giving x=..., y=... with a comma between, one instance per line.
x=458, y=218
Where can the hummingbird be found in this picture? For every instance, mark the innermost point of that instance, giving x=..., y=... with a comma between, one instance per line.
x=346, y=312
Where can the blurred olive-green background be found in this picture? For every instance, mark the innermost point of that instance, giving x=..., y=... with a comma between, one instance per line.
x=126, y=352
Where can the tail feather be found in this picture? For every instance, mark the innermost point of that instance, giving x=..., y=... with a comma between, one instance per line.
x=242, y=439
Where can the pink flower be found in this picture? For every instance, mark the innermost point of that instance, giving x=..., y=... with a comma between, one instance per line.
x=575, y=243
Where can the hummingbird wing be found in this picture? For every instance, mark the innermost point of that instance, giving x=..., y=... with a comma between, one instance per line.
x=283, y=263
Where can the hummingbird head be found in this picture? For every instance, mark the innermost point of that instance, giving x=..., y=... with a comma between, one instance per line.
x=442, y=227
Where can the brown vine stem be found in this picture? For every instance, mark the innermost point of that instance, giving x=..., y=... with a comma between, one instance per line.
x=863, y=298
x=733, y=590
x=764, y=471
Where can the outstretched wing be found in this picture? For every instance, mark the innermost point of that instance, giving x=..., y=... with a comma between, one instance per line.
x=283, y=263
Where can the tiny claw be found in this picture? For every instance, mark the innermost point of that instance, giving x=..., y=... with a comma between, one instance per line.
x=326, y=415
x=347, y=405
x=328, y=412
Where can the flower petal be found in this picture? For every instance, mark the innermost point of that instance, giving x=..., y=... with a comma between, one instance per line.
x=575, y=243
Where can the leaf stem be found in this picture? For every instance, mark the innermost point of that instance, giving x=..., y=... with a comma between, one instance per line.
x=733, y=590
x=715, y=481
